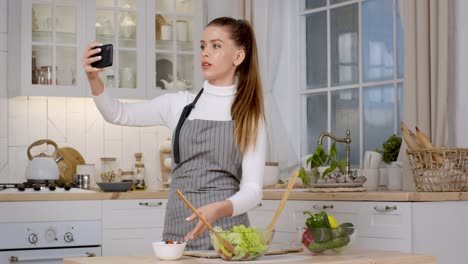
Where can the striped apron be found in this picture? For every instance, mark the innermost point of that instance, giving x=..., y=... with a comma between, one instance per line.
x=207, y=168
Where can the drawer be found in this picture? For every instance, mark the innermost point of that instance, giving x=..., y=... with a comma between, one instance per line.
x=385, y=220
x=342, y=211
x=130, y=242
x=144, y=213
x=262, y=215
x=369, y=243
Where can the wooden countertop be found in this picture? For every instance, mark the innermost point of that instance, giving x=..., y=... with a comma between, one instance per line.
x=357, y=257
x=394, y=196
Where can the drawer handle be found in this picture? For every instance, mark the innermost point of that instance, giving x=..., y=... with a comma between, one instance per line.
x=151, y=204
x=385, y=209
x=259, y=205
x=323, y=207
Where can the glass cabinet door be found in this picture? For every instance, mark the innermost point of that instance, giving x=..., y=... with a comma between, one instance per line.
x=121, y=23
x=176, y=22
x=54, y=46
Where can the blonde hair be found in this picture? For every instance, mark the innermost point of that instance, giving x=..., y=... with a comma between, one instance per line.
x=247, y=110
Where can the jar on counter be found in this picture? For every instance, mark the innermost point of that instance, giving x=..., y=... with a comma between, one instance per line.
x=109, y=169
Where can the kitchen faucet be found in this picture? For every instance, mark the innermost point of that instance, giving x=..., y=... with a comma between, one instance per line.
x=346, y=140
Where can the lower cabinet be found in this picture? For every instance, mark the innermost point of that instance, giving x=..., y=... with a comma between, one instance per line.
x=380, y=225
x=130, y=226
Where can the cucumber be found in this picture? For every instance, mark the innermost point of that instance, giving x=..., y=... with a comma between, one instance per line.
x=345, y=229
x=330, y=244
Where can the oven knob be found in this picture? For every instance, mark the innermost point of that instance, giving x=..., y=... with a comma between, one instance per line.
x=32, y=238
x=51, y=235
x=68, y=237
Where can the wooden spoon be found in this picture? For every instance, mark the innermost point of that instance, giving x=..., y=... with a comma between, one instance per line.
x=226, y=244
x=271, y=226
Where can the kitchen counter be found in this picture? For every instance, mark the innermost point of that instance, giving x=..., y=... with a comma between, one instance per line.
x=395, y=196
x=362, y=257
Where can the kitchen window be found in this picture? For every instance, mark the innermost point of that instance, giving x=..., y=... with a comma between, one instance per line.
x=352, y=72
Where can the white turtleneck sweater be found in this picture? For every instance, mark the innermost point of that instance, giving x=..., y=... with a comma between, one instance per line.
x=214, y=104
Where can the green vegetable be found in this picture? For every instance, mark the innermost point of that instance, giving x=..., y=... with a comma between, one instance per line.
x=280, y=181
x=345, y=229
x=335, y=243
x=319, y=226
x=248, y=242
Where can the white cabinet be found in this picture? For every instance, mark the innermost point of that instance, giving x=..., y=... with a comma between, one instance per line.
x=45, y=43
x=155, y=42
x=130, y=226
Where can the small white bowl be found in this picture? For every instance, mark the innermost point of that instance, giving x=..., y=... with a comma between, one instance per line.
x=168, y=251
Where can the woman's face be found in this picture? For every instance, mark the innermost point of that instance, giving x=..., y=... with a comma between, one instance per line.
x=219, y=56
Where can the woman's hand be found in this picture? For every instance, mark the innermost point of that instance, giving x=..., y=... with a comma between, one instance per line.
x=211, y=212
x=95, y=82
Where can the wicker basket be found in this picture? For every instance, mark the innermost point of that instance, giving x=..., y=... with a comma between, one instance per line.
x=440, y=169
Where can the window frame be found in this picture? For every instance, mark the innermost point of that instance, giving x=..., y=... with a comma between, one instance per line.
x=329, y=89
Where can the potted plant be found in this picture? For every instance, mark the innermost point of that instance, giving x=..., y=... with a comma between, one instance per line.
x=390, y=150
x=321, y=163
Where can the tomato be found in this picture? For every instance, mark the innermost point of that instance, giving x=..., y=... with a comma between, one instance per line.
x=307, y=237
x=169, y=242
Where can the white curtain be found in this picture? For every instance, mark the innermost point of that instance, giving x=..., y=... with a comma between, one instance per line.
x=276, y=41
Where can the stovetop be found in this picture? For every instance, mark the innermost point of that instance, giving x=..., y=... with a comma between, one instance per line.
x=41, y=187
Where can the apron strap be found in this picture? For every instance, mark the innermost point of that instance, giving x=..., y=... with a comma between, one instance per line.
x=185, y=114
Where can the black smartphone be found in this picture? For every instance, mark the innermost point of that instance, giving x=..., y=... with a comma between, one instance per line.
x=106, y=56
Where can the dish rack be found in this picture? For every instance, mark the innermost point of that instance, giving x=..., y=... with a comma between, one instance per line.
x=439, y=169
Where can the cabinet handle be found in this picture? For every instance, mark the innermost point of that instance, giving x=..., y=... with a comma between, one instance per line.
x=323, y=207
x=259, y=205
x=385, y=209
x=151, y=204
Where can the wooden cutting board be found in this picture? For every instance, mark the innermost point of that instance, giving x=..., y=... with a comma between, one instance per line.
x=67, y=166
x=214, y=254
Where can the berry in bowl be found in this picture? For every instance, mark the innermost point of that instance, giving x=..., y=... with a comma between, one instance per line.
x=323, y=234
x=168, y=250
x=249, y=243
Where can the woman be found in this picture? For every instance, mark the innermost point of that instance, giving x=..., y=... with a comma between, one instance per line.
x=219, y=137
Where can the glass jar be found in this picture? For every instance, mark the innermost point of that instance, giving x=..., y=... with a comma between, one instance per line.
x=109, y=169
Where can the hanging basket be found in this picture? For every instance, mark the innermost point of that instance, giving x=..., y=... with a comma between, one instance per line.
x=439, y=169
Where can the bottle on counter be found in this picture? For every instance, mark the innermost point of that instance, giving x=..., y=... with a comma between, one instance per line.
x=139, y=183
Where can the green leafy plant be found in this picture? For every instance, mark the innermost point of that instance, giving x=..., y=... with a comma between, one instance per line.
x=320, y=158
x=390, y=149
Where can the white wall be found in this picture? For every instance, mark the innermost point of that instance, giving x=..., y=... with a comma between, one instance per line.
x=458, y=100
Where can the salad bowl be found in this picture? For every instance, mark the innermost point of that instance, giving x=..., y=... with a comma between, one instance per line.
x=249, y=243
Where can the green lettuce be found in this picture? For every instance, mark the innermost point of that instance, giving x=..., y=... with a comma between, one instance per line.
x=248, y=242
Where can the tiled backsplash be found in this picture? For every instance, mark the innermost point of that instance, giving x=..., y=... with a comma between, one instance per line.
x=76, y=122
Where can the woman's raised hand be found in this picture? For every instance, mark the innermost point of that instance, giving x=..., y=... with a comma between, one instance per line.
x=97, y=87
x=88, y=59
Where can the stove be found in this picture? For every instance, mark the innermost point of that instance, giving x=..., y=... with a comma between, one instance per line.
x=34, y=187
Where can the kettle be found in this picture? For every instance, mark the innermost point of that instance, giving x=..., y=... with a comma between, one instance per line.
x=43, y=167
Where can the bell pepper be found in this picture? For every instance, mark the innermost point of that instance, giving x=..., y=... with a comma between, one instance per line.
x=319, y=226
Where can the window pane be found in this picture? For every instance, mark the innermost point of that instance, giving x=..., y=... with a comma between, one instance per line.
x=344, y=45
x=332, y=2
x=345, y=115
x=400, y=49
x=310, y=4
x=377, y=40
x=316, y=50
x=317, y=108
x=378, y=115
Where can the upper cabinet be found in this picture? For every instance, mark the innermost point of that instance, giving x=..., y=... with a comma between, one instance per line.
x=45, y=40
x=154, y=46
